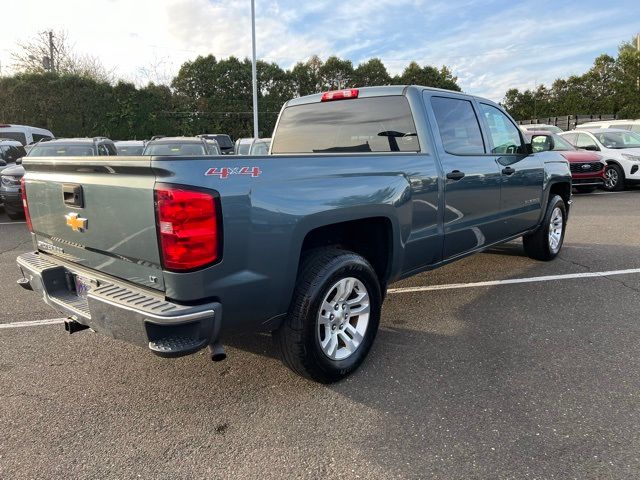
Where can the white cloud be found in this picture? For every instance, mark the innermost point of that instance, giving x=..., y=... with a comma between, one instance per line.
x=489, y=46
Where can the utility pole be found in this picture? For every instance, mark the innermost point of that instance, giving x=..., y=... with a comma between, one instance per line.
x=52, y=67
x=254, y=74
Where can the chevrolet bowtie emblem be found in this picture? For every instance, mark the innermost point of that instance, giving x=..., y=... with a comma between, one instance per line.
x=76, y=223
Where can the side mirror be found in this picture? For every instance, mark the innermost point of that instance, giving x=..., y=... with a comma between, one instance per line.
x=3, y=163
x=19, y=161
x=593, y=148
x=542, y=143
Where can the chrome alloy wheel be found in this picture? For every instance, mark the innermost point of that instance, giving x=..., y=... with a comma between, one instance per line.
x=555, y=230
x=343, y=318
x=611, y=178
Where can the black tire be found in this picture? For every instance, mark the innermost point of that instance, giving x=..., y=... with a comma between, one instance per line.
x=585, y=189
x=297, y=337
x=537, y=244
x=616, y=182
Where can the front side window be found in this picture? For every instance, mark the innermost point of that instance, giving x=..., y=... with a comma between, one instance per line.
x=571, y=138
x=102, y=150
x=37, y=137
x=585, y=141
x=505, y=136
x=458, y=126
x=374, y=124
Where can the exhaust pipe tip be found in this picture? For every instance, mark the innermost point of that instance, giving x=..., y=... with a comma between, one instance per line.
x=217, y=353
x=25, y=283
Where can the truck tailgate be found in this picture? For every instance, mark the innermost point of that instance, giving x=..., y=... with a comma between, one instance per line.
x=97, y=212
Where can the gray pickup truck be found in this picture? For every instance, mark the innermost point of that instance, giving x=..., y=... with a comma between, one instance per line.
x=362, y=187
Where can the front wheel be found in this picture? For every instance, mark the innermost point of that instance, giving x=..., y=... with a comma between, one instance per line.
x=545, y=243
x=613, y=178
x=334, y=316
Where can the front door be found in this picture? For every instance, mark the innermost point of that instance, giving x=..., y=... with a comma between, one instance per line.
x=522, y=173
x=472, y=177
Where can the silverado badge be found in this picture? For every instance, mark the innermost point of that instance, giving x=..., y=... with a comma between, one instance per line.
x=76, y=223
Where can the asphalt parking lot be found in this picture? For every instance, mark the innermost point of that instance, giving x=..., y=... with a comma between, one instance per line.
x=506, y=380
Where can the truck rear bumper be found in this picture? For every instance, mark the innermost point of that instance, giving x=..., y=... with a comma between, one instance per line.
x=119, y=310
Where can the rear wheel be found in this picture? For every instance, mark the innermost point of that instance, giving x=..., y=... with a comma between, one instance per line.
x=545, y=243
x=613, y=178
x=333, y=318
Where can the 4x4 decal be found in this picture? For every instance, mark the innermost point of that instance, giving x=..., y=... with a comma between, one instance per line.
x=225, y=172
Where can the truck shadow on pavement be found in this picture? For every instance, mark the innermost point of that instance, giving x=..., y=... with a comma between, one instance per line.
x=508, y=380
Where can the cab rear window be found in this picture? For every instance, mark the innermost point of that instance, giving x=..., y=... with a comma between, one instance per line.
x=375, y=124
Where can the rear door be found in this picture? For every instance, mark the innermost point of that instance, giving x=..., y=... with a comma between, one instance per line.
x=522, y=174
x=97, y=212
x=472, y=177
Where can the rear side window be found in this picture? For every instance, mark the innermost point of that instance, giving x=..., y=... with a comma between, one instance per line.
x=458, y=126
x=19, y=136
x=375, y=124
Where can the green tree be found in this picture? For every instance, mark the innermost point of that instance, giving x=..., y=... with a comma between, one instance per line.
x=428, y=76
x=371, y=72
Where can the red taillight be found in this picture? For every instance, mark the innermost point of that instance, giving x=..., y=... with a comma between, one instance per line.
x=188, y=228
x=340, y=94
x=25, y=205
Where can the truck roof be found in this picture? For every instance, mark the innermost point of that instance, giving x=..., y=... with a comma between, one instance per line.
x=382, y=91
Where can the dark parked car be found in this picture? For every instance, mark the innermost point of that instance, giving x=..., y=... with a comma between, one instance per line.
x=64, y=147
x=180, y=147
x=224, y=141
x=10, y=152
x=587, y=168
x=363, y=187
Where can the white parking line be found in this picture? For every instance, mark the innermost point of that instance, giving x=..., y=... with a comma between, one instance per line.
x=450, y=286
x=33, y=323
x=490, y=283
x=11, y=223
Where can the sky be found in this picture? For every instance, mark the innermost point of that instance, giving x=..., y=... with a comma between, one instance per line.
x=490, y=45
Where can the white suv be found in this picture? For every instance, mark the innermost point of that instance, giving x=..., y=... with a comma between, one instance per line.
x=620, y=149
x=632, y=125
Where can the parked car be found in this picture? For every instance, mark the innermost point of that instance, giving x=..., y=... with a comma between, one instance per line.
x=130, y=147
x=260, y=146
x=242, y=146
x=214, y=148
x=10, y=191
x=363, y=187
x=74, y=147
x=587, y=168
x=224, y=141
x=10, y=152
x=62, y=147
x=540, y=127
x=632, y=125
x=179, y=146
x=24, y=134
x=620, y=150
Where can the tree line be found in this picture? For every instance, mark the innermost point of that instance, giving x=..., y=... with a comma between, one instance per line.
x=208, y=95
x=610, y=86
